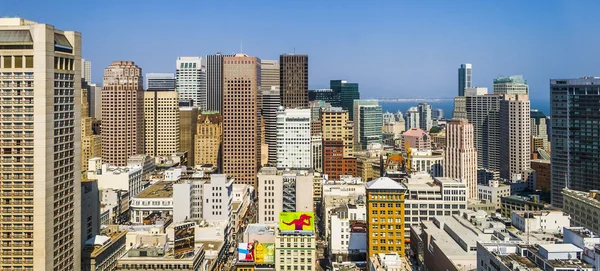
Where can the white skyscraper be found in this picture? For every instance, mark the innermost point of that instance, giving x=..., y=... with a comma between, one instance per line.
x=425, y=119
x=41, y=145
x=293, y=139
x=86, y=70
x=190, y=80
x=412, y=118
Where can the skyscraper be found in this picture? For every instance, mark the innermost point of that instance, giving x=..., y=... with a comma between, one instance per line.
x=161, y=122
x=437, y=113
x=122, y=113
x=539, y=131
x=515, y=136
x=86, y=71
x=242, y=100
x=327, y=95
x=270, y=104
x=465, y=78
x=425, y=119
x=461, y=156
x=347, y=93
x=209, y=136
x=187, y=131
x=91, y=144
x=293, y=139
x=293, y=74
x=269, y=74
x=190, y=81
x=413, y=118
x=338, y=143
x=160, y=81
x=511, y=85
x=575, y=139
x=214, y=82
x=367, y=123
x=95, y=101
x=40, y=174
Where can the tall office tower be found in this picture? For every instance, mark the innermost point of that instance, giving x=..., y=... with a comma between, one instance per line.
x=161, y=122
x=242, y=100
x=346, y=93
x=461, y=156
x=91, y=144
x=367, y=123
x=209, y=139
x=511, y=85
x=539, y=131
x=160, y=81
x=515, y=136
x=385, y=216
x=483, y=111
x=190, y=81
x=575, y=139
x=269, y=74
x=413, y=118
x=187, y=131
x=425, y=119
x=293, y=74
x=86, y=71
x=293, y=139
x=338, y=143
x=270, y=104
x=95, y=101
x=40, y=131
x=122, y=113
x=214, y=82
x=465, y=78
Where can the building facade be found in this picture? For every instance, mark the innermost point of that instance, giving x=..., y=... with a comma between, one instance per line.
x=190, y=81
x=367, y=123
x=347, y=93
x=293, y=139
x=515, y=136
x=160, y=81
x=269, y=74
x=208, y=139
x=270, y=104
x=283, y=191
x=40, y=175
x=338, y=143
x=465, y=78
x=214, y=82
x=461, y=155
x=122, y=113
x=86, y=71
x=413, y=118
x=241, y=117
x=425, y=117
x=293, y=74
x=583, y=207
x=161, y=122
x=514, y=85
x=187, y=131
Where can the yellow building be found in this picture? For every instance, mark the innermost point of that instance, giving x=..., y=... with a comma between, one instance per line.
x=208, y=139
x=385, y=216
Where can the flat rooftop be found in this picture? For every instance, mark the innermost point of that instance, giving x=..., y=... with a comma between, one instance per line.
x=158, y=190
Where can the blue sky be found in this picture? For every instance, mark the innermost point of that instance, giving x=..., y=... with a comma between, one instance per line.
x=405, y=49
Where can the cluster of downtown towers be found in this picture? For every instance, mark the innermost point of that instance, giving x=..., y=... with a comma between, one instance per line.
x=42, y=113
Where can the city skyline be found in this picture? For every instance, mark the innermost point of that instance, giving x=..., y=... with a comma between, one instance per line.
x=434, y=49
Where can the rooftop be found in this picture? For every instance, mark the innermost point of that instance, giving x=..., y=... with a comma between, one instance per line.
x=260, y=229
x=416, y=132
x=97, y=244
x=385, y=183
x=158, y=190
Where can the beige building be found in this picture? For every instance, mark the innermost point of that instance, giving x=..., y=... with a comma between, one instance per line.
x=242, y=100
x=122, y=113
x=161, y=122
x=515, y=136
x=269, y=74
x=187, y=131
x=338, y=137
x=298, y=251
x=102, y=252
x=583, y=207
x=40, y=146
x=461, y=155
x=283, y=191
x=91, y=144
x=209, y=136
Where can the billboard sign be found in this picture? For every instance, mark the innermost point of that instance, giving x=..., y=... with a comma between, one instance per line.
x=297, y=222
x=184, y=238
x=246, y=252
x=264, y=253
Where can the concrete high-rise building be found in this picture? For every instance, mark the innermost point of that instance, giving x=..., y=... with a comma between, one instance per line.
x=575, y=139
x=515, y=151
x=293, y=74
x=209, y=137
x=367, y=123
x=413, y=119
x=461, y=155
x=122, y=113
x=160, y=81
x=425, y=118
x=270, y=104
x=293, y=139
x=539, y=131
x=161, y=122
x=269, y=74
x=385, y=216
x=187, y=131
x=86, y=71
x=347, y=93
x=214, y=82
x=465, y=78
x=483, y=111
x=338, y=143
x=95, y=101
x=511, y=85
x=190, y=81
x=40, y=131
x=242, y=100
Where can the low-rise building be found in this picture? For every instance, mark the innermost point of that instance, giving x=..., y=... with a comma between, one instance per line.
x=295, y=251
x=145, y=161
x=493, y=191
x=348, y=238
x=349, y=190
x=388, y=262
x=161, y=257
x=114, y=206
x=552, y=221
x=101, y=252
x=428, y=161
x=583, y=207
x=283, y=191
x=127, y=178
x=542, y=174
x=156, y=199
x=520, y=203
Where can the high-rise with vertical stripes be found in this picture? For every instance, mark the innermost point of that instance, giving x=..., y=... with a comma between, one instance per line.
x=214, y=82
x=40, y=146
x=293, y=80
x=190, y=81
